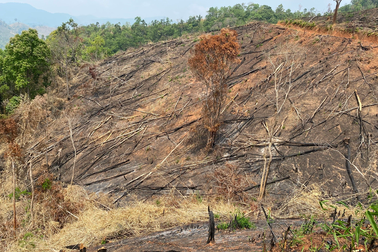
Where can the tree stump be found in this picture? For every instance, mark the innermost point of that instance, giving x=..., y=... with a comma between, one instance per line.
x=210, y=238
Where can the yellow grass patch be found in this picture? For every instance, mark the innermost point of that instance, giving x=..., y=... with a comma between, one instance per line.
x=99, y=219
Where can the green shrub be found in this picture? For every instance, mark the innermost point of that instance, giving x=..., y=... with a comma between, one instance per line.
x=223, y=226
x=243, y=222
x=46, y=185
x=13, y=104
x=239, y=222
x=19, y=193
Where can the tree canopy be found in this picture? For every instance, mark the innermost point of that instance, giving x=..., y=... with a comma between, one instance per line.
x=357, y=5
x=24, y=65
x=118, y=36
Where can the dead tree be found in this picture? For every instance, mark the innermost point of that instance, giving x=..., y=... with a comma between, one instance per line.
x=211, y=63
x=338, y=2
x=210, y=238
x=8, y=133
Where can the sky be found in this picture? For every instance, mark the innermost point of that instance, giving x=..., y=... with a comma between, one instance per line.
x=174, y=9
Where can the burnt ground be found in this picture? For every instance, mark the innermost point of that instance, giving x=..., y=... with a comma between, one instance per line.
x=194, y=238
x=145, y=104
x=136, y=125
x=260, y=238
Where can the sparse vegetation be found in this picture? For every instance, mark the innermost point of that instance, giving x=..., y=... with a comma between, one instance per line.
x=239, y=222
x=343, y=234
x=211, y=63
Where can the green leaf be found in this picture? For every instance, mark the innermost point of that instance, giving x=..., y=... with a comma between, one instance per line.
x=322, y=202
x=370, y=216
x=357, y=234
x=336, y=240
x=339, y=227
x=342, y=203
x=375, y=208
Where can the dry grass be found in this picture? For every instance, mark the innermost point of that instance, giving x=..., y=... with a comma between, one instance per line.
x=98, y=219
x=306, y=202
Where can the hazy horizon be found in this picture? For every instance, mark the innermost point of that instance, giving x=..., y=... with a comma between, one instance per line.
x=168, y=8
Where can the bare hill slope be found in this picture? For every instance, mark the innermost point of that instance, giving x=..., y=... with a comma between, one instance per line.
x=135, y=124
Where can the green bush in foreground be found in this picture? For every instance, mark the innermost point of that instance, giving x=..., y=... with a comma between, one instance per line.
x=240, y=222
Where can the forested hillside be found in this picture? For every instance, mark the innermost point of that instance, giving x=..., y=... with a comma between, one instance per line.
x=119, y=36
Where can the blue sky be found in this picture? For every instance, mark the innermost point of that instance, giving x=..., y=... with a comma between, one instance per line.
x=174, y=9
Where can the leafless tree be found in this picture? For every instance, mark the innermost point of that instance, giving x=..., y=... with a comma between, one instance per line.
x=338, y=2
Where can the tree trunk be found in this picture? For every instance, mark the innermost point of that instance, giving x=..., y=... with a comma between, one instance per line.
x=73, y=145
x=67, y=82
x=338, y=2
x=32, y=198
x=210, y=238
x=14, y=200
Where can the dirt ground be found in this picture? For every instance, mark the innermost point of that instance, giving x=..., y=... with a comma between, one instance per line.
x=194, y=237
x=136, y=126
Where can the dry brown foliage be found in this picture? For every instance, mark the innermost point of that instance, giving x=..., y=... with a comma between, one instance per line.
x=54, y=208
x=98, y=220
x=9, y=132
x=31, y=114
x=231, y=184
x=211, y=63
x=49, y=194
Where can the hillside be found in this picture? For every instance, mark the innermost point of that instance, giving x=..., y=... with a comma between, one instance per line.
x=150, y=91
x=6, y=34
x=132, y=130
x=8, y=31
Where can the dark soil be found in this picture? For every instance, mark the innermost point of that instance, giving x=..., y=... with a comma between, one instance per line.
x=193, y=238
x=144, y=103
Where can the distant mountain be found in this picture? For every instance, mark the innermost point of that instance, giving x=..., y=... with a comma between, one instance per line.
x=27, y=14
x=5, y=34
x=16, y=17
x=8, y=31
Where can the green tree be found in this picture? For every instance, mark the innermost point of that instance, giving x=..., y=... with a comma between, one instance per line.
x=2, y=55
x=96, y=50
x=139, y=29
x=24, y=66
x=66, y=49
x=364, y=4
x=280, y=12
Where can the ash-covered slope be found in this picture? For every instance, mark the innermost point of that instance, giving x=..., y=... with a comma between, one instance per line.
x=136, y=117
